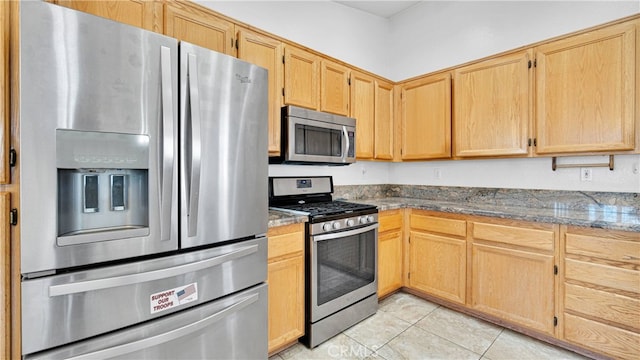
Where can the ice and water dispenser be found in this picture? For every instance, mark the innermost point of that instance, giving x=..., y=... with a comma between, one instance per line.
x=103, y=184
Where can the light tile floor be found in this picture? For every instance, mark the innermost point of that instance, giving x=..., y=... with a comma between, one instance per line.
x=407, y=327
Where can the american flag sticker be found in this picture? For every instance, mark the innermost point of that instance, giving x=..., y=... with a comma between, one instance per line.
x=187, y=292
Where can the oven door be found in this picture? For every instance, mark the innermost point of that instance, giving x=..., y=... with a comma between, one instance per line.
x=318, y=141
x=343, y=269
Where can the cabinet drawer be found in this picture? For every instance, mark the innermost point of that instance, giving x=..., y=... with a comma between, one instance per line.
x=285, y=240
x=390, y=220
x=439, y=225
x=527, y=237
x=603, y=275
x=601, y=338
x=603, y=305
x=604, y=248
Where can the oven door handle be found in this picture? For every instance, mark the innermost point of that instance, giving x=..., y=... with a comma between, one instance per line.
x=337, y=235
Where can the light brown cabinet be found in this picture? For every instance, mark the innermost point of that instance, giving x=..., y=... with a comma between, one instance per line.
x=185, y=20
x=144, y=14
x=390, y=252
x=585, y=92
x=512, y=272
x=601, y=291
x=384, y=121
x=5, y=86
x=334, y=87
x=285, y=277
x=266, y=52
x=426, y=118
x=5, y=276
x=438, y=255
x=492, y=107
x=301, y=78
x=363, y=99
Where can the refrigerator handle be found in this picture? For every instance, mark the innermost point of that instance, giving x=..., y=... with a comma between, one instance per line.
x=195, y=143
x=166, y=145
x=111, y=282
x=170, y=335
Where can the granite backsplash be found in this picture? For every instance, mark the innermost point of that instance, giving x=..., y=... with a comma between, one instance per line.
x=572, y=200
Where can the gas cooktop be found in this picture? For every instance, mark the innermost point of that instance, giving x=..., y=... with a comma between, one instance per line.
x=317, y=209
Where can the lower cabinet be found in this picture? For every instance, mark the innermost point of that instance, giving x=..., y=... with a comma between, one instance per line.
x=5, y=276
x=601, y=291
x=438, y=255
x=512, y=272
x=285, y=276
x=389, y=252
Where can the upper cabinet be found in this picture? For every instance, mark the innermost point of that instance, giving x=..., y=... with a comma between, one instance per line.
x=266, y=52
x=196, y=24
x=334, y=88
x=141, y=13
x=4, y=94
x=363, y=110
x=492, y=106
x=585, y=92
x=301, y=78
x=426, y=118
x=384, y=120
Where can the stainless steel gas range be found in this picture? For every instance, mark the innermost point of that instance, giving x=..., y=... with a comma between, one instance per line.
x=341, y=254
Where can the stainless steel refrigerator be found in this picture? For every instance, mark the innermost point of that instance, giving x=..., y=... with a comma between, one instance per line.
x=143, y=197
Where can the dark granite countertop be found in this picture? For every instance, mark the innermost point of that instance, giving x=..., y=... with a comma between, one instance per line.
x=281, y=218
x=613, y=217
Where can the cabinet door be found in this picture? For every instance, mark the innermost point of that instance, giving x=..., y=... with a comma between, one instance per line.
x=383, y=130
x=266, y=52
x=389, y=262
x=514, y=285
x=5, y=277
x=334, y=88
x=4, y=94
x=301, y=78
x=197, y=25
x=286, y=301
x=140, y=13
x=363, y=110
x=426, y=118
x=492, y=107
x=585, y=92
x=438, y=265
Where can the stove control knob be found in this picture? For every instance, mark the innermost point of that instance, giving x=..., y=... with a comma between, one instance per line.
x=370, y=218
x=363, y=220
x=351, y=222
x=337, y=225
x=326, y=227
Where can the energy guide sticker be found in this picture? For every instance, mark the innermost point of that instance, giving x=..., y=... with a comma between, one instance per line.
x=171, y=298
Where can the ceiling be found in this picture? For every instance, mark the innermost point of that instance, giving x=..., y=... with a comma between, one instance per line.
x=385, y=9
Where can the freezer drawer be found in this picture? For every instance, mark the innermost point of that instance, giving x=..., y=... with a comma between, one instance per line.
x=61, y=309
x=234, y=327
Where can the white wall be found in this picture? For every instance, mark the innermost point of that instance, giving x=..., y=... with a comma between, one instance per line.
x=428, y=37
x=433, y=35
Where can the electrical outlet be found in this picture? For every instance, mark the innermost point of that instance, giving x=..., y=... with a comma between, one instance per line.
x=437, y=174
x=585, y=174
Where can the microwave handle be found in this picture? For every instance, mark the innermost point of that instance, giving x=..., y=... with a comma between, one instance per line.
x=166, y=145
x=196, y=146
x=345, y=143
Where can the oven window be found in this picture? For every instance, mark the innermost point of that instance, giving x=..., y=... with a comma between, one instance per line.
x=313, y=140
x=345, y=264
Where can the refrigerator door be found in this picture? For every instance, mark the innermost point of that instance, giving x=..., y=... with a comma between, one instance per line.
x=234, y=327
x=224, y=158
x=98, y=102
x=75, y=306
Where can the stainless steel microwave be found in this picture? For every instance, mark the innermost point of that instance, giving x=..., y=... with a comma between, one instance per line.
x=313, y=137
